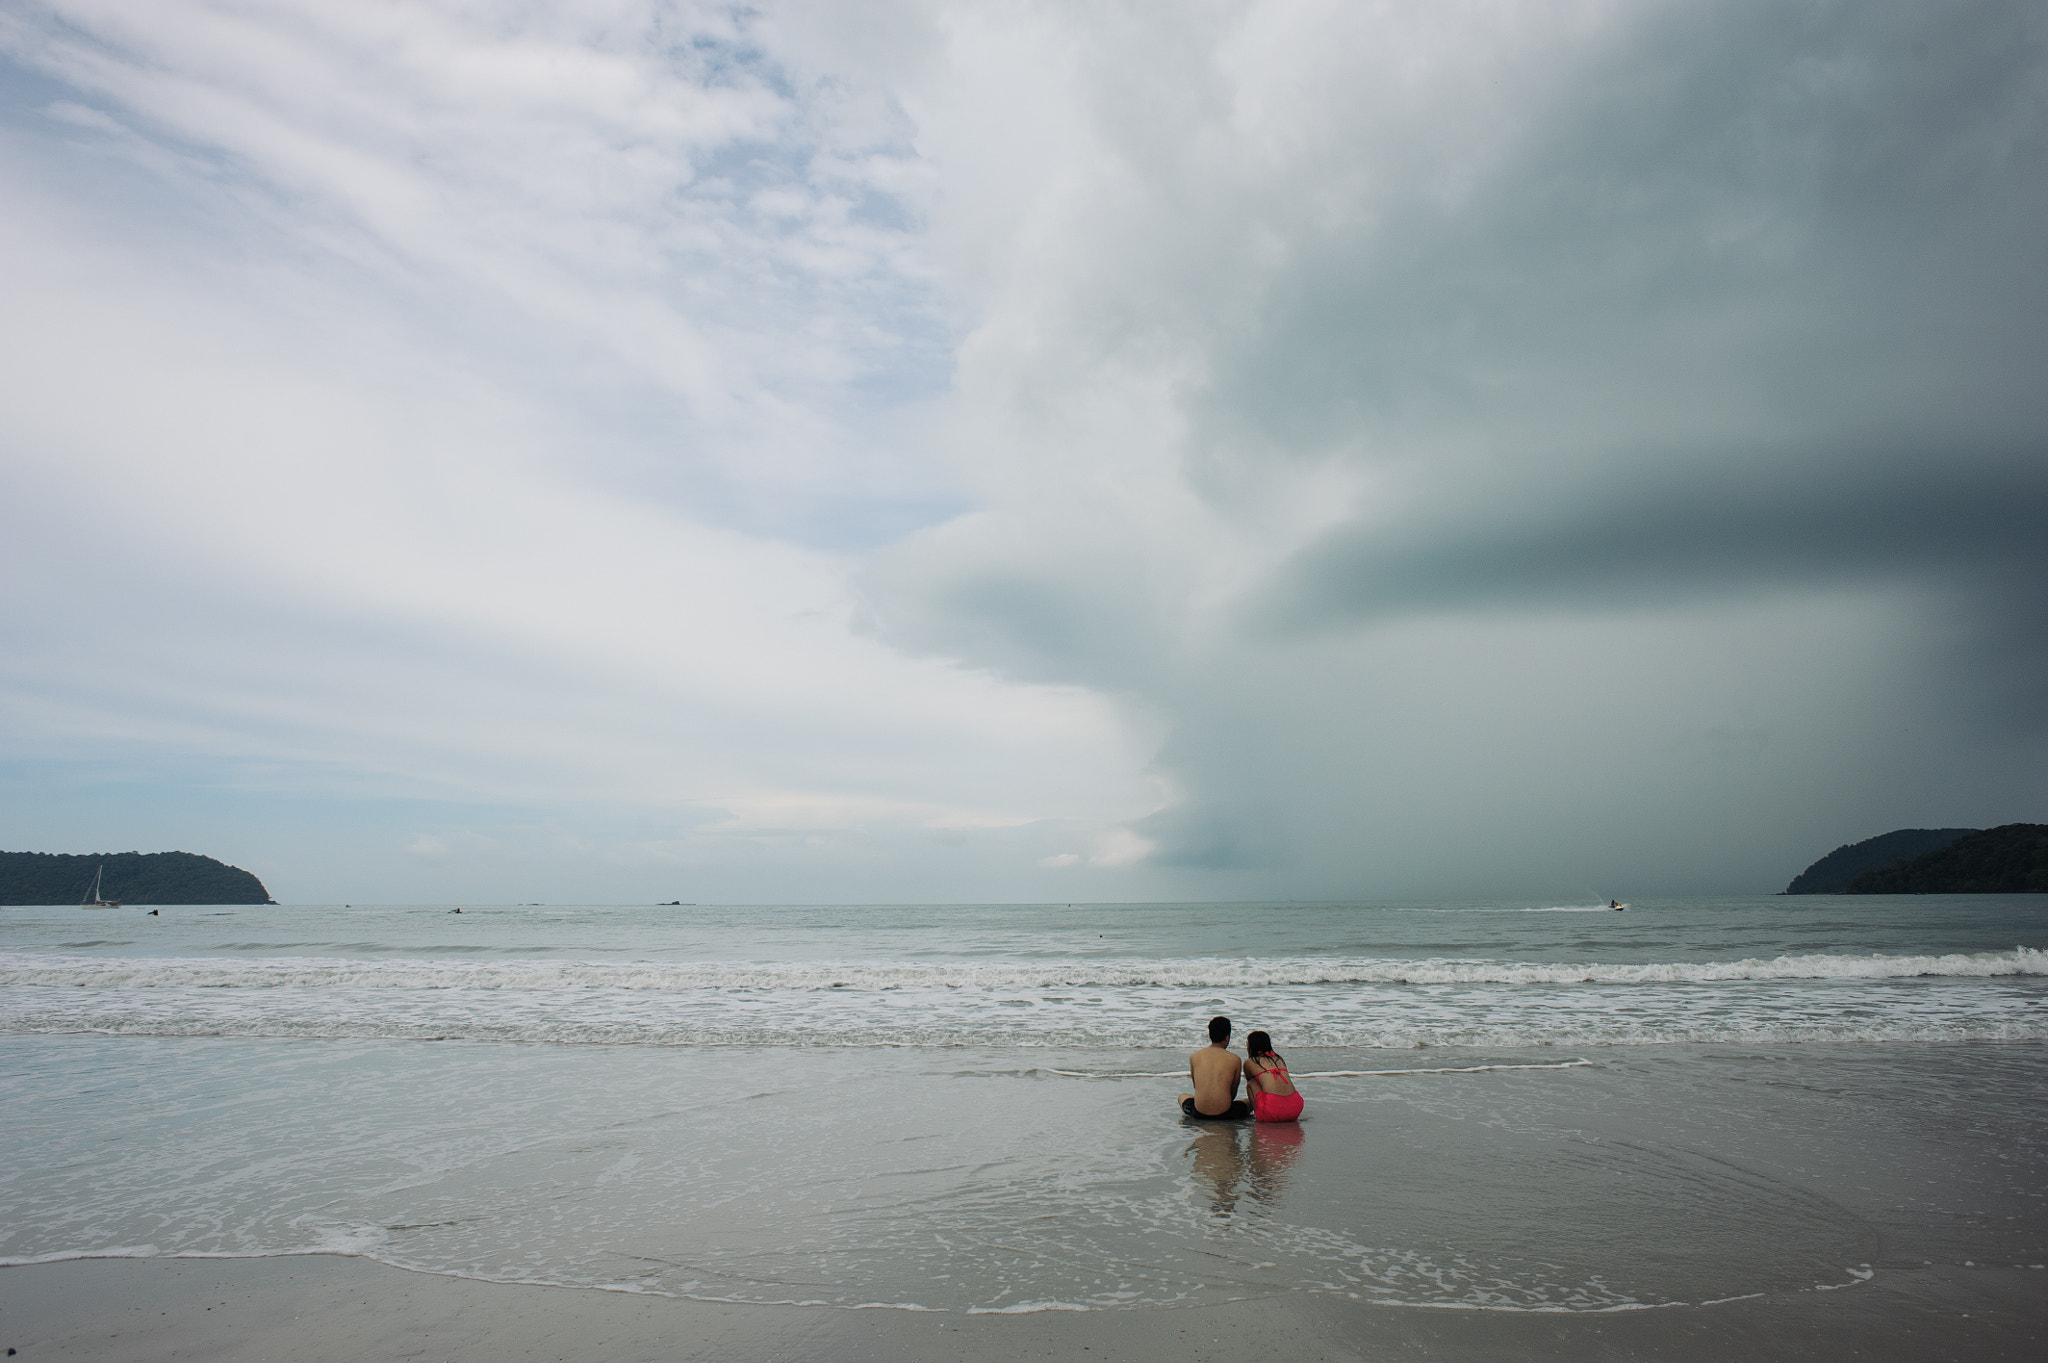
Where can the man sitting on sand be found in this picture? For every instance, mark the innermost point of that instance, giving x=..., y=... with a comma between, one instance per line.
x=1215, y=1072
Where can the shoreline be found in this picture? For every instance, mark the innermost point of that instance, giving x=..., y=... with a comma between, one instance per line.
x=601, y=1194
x=1666, y=1182
x=336, y=1307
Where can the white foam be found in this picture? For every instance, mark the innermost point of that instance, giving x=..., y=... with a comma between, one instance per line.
x=1028, y=1308
x=20, y=968
x=895, y=1306
x=1442, y=1069
x=66, y=1256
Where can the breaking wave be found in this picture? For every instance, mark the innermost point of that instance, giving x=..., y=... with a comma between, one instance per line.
x=317, y=973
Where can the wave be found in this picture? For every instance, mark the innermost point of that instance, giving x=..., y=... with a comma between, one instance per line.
x=1531, y=1029
x=17, y=968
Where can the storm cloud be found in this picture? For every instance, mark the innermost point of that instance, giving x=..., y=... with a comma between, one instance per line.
x=1452, y=353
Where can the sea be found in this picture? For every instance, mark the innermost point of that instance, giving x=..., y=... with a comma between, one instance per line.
x=1511, y=1106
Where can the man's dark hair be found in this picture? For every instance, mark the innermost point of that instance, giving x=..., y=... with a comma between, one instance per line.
x=1219, y=1030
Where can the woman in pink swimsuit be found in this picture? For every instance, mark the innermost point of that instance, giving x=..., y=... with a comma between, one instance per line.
x=1265, y=1074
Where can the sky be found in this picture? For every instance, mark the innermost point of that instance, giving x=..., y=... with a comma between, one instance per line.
x=617, y=450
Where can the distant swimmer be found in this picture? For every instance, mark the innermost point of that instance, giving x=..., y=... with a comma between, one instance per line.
x=1215, y=1072
x=152, y=913
x=455, y=910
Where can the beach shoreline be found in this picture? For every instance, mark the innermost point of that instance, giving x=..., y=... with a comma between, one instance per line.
x=551, y=1178
x=335, y=1307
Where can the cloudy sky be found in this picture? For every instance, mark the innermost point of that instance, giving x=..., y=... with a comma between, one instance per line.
x=626, y=449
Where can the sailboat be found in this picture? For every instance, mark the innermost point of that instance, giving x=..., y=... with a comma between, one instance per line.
x=92, y=898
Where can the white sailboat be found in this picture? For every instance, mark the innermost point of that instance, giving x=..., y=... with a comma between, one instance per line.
x=92, y=898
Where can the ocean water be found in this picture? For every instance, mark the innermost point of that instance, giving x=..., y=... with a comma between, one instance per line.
x=1511, y=1106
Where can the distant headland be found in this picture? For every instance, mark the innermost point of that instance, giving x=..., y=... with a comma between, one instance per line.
x=2009, y=859
x=130, y=877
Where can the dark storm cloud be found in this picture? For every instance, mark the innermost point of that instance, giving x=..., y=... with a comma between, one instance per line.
x=1795, y=220
x=1643, y=536
x=1750, y=316
x=1757, y=305
x=1747, y=298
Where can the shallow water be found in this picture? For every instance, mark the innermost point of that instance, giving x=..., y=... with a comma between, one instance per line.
x=969, y=1109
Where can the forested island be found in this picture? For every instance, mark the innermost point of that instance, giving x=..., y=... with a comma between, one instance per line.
x=2009, y=859
x=130, y=877
x=1833, y=872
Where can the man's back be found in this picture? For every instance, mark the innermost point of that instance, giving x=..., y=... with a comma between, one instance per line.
x=1215, y=1072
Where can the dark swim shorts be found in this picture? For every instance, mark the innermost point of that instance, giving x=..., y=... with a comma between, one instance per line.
x=1238, y=1109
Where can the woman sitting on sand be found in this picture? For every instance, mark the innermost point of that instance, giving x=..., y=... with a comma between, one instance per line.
x=1265, y=1074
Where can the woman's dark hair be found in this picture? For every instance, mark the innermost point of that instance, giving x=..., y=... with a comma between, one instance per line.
x=1257, y=1043
x=1219, y=1030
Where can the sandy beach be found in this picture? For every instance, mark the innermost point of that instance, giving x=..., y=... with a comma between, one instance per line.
x=325, y=1307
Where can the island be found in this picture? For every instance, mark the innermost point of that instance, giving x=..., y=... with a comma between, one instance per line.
x=2009, y=859
x=1833, y=872
x=129, y=877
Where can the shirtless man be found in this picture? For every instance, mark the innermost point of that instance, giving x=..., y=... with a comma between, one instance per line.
x=1215, y=1073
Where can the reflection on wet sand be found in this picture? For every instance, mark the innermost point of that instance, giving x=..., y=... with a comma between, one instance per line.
x=1275, y=1145
x=1248, y=1159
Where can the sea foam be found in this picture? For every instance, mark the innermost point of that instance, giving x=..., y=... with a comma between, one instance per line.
x=62, y=971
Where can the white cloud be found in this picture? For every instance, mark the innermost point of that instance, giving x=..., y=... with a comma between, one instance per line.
x=329, y=456
x=1121, y=847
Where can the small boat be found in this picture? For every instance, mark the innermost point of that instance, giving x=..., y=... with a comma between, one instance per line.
x=92, y=898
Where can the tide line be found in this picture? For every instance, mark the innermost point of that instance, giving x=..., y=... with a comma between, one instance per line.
x=1446, y=1069
x=1572, y=1064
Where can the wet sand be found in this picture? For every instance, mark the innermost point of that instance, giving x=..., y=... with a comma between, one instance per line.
x=338, y=1308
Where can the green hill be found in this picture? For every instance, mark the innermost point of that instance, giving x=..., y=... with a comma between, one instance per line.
x=130, y=877
x=2012, y=859
x=1833, y=872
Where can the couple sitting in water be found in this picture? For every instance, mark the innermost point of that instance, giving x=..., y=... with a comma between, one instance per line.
x=1215, y=1072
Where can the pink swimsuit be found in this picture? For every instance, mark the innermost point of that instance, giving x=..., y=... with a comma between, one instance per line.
x=1276, y=1107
